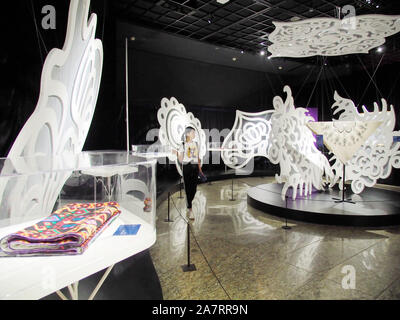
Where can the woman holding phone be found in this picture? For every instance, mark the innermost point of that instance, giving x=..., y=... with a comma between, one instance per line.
x=188, y=156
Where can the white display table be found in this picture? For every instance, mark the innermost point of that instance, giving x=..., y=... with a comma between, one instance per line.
x=37, y=277
x=32, y=188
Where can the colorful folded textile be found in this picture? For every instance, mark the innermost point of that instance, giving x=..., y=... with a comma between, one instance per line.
x=68, y=230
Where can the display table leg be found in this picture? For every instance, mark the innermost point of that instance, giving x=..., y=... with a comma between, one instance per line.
x=73, y=288
x=103, y=278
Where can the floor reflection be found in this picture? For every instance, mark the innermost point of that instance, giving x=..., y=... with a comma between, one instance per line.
x=254, y=258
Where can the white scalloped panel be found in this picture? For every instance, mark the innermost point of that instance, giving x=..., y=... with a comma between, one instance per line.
x=344, y=138
x=293, y=147
x=248, y=138
x=379, y=154
x=173, y=120
x=331, y=36
x=281, y=135
x=69, y=88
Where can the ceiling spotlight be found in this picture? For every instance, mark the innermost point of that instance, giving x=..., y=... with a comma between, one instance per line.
x=269, y=58
x=241, y=51
x=234, y=58
x=380, y=49
x=132, y=38
x=280, y=68
x=222, y=1
x=262, y=52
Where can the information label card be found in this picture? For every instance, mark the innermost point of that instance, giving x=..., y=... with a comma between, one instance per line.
x=127, y=230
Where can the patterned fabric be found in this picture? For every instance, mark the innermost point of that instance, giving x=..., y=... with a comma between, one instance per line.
x=68, y=230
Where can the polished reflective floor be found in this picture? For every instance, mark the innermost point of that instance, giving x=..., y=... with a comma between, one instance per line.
x=242, y=253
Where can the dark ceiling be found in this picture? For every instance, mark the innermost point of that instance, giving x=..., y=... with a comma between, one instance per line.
x=239, y=24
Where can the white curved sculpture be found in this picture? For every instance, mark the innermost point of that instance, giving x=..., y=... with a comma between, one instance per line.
x=344, y=138
x=379, y=153
x=331, y=36
x=293, y=147
x=281, y=136
x=173, y=120
x=248, y=138
x=69, y=87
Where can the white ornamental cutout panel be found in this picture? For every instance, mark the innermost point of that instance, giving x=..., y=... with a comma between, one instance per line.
x=59, y=125
x=375, y=159
x=293, y=147
x=281, y=135
x=331, y=36
x=344, y=138
x=173, y=120
x=248, y=138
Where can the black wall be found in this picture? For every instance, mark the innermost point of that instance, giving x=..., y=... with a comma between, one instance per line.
x=211, y=92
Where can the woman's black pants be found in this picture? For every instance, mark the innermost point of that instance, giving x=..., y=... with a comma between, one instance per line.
x=190, y=176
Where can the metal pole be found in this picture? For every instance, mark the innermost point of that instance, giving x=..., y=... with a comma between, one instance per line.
x=231, y=199
x=188, y=246
x=180, y=187
x=168, y=220
x=344, y=181
x=188, y=267
x=126, y=95
x=286, y=227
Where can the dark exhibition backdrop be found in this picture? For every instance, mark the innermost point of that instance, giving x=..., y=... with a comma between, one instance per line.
x=211, y=91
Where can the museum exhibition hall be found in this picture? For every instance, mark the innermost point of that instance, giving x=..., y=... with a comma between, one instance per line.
x=200, y=150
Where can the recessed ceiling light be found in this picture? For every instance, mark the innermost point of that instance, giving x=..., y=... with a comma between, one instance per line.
x=241, y=51
x=280, y=68
x=234, y=58
x=269, y=58
x=132, y=38
x=380, y=49
x=262, y=52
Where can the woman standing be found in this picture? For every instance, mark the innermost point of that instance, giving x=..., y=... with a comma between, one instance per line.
x=188, y=156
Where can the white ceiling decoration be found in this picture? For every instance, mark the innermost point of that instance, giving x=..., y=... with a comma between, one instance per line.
x=331, y=36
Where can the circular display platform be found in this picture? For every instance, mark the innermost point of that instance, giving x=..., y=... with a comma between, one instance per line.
x=373, y=207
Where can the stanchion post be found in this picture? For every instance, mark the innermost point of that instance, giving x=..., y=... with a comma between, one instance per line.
x=286, y=227
x=180, y=189
x=168, y=219
x=188, y=267
x=232, y=199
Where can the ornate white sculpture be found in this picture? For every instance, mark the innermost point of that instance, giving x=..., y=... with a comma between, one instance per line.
x=248, y=138
x=293, y=147
x=68, y=92
x=344, y=138
x=379, y=153
x=331, y=36
x=173, y=120
x=280, y=135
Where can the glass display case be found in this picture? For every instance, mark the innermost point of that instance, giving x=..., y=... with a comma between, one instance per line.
x=65, y=218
